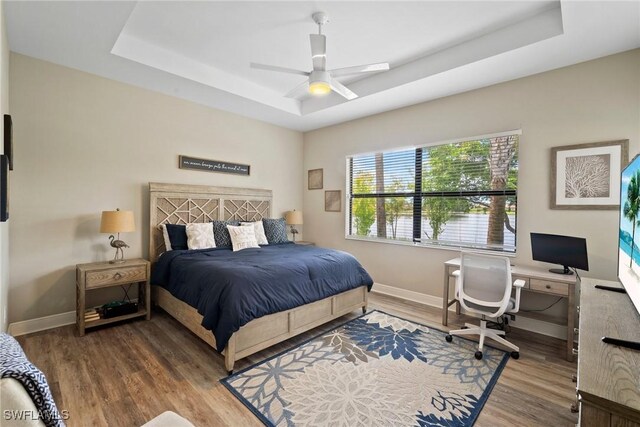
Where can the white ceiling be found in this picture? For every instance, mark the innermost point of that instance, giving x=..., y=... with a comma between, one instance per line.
x=201, y=51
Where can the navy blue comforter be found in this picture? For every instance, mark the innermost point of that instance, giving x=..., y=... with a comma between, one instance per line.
x=229, y=289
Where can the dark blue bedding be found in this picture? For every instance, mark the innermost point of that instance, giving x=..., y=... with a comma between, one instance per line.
x=229, y=289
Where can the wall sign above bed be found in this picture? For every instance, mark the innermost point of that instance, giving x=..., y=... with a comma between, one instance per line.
x=195, y=163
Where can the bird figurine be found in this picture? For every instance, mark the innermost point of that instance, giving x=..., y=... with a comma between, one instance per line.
x=119, y=245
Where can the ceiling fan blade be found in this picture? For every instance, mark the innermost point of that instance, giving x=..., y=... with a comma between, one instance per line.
x=369, y=68
x=342, y=90
x=318, y=51
x=278, y=69
x=298, y=91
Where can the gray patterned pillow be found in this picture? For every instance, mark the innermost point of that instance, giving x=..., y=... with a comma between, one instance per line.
x=221, y=234
x=275, y=229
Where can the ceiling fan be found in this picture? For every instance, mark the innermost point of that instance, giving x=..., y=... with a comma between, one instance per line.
x=322, y=81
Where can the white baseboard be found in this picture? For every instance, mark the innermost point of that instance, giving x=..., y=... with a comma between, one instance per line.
x=528, y=324
x=521, y=322
x=426, y=299
x=42, y=323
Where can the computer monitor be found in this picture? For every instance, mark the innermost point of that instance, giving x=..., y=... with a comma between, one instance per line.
x=564, y=250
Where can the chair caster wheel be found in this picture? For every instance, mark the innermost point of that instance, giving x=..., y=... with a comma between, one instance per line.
x=478, y=355
x=449, y=338
x=515, y=355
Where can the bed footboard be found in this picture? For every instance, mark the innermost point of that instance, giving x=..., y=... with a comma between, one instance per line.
x=267, y=330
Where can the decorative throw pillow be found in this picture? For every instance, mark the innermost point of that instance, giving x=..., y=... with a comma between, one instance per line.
x=258, y=229
x=200, y=236
x=275, y=230
x=177, y=234
x=221, y=234
x=165, y=236
x=242, y=237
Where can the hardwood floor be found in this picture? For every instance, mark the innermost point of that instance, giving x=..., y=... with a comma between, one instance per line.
x=126, y=374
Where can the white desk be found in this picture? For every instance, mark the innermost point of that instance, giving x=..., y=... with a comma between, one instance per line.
x=536, y=280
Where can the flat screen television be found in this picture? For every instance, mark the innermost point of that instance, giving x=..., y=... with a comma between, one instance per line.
x=628, y=252
x=567, y=251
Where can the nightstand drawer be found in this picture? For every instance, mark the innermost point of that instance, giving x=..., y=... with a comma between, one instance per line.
x=96, y=279
x=556, y=288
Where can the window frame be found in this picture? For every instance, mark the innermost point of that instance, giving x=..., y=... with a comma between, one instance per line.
x=417, y=195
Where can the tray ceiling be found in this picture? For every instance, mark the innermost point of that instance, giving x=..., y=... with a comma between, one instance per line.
x=201, y=51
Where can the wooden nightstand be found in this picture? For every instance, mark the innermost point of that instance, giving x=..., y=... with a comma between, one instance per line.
x=98, y=275
x=304, y=243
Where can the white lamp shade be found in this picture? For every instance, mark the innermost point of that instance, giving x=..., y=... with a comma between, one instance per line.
x=117, y=222
x=294, y=217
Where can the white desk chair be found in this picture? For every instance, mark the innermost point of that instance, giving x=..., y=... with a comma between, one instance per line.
x=483, y=286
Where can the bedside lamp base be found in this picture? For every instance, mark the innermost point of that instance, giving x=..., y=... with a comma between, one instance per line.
x=293, y=233
x=119, y=245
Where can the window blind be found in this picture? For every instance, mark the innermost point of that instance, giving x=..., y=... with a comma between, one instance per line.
x=461, y=194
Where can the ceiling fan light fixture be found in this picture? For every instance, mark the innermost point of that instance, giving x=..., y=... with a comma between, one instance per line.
x=321, y=81
x=319, y=88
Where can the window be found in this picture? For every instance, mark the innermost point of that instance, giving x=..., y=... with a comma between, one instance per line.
x=461, y=194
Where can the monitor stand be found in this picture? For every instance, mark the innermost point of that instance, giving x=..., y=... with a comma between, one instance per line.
x=564, y=270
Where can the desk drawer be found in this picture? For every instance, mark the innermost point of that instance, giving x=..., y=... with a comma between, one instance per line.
x=96, y=279
x=555, y=288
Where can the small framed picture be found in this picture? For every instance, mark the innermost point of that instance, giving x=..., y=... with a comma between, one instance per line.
x=333, y=200
x=315, y=179
x=587, y=176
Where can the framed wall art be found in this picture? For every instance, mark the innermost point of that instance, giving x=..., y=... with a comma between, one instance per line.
x=194, y=163
x=333, y=200
x=315, y=179
x=587, y=176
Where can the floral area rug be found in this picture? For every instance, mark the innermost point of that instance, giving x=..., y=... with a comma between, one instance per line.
x=375, y=370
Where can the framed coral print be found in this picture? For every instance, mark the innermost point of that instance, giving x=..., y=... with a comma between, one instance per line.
x=587, y=176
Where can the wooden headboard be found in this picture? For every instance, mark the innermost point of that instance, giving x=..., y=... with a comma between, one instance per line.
x=182, y=204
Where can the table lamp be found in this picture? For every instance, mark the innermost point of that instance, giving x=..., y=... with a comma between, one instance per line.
x=117, y=222
x=292, y=218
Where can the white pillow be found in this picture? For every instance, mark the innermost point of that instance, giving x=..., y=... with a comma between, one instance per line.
x=200, y=236
x=242, y=237
x=165, y=235
x=258, y=229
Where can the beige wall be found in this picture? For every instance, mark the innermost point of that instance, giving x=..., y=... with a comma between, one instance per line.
x=593, y=101
x=85, y=144
x=4, y=226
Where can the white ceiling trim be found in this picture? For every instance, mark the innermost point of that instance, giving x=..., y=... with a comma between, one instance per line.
x=137, y=50
x=500, y=38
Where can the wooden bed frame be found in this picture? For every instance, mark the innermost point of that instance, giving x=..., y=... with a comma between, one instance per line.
x=182, y=204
